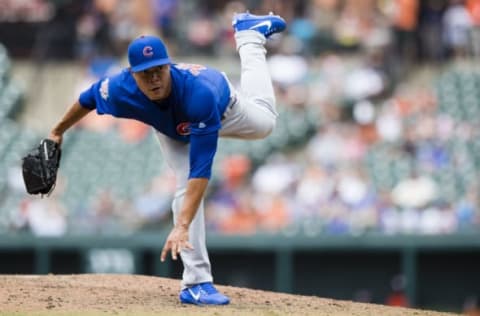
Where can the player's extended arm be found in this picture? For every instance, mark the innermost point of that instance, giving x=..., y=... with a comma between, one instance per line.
x=178, y=238
x=203, y=146
x=74, y=114
x=195, y=190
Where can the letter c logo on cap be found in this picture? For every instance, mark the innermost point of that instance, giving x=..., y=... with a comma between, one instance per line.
x=148, y=51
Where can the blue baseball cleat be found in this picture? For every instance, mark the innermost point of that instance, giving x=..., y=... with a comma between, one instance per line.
x=265, y=24
x=203, y=294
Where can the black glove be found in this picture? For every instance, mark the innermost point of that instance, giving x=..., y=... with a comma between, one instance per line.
x=40, y=167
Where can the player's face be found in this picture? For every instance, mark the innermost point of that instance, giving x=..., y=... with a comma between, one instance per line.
x=154, y=82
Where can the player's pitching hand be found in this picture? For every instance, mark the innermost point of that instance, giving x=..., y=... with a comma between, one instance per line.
x=176, y=242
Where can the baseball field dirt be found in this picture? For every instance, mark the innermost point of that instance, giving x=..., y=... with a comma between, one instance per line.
x=93, y=295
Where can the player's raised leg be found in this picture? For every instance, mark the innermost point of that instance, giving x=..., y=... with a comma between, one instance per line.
x=251, y=32
x=255, y=115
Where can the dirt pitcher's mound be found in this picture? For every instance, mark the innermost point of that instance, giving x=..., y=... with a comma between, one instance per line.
x=141, y=295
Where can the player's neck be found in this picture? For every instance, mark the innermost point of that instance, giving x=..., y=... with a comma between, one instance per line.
x=163, y=103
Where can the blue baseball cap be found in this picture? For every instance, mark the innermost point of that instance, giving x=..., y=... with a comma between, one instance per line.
x=146, y=52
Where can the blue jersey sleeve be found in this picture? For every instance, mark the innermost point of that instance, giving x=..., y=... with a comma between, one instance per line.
x=203, y=112
x=87, y=97
x=97, y=96
x=204, y=127
x=202, y=151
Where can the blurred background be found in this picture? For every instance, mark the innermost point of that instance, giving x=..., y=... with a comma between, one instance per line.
x=368, y=190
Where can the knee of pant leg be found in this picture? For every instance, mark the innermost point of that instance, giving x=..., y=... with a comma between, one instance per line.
x=267, y=102
x=267, y=127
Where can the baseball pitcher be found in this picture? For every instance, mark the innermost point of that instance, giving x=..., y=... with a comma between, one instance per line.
x=190, y=107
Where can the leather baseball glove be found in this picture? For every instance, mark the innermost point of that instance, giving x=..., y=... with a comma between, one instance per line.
x=40, y=167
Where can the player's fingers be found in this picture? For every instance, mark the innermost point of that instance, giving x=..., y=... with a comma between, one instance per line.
x=164, y=254
x=188, y=246
x=174, y=251
x=165, y=250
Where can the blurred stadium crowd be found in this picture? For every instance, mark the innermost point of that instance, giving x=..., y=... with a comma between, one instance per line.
x=378, y=130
